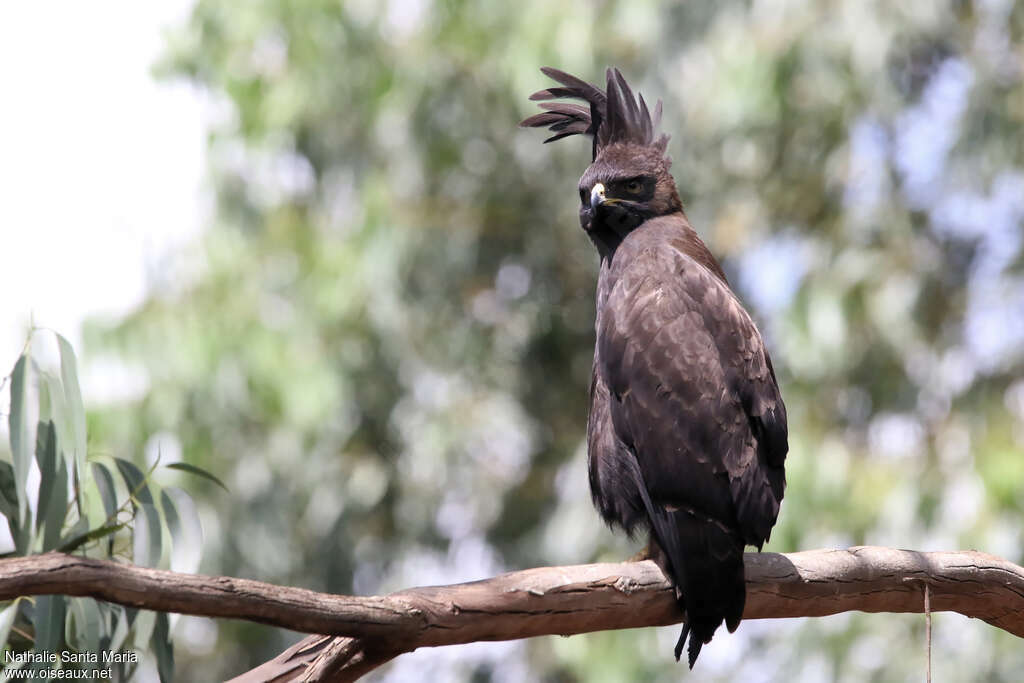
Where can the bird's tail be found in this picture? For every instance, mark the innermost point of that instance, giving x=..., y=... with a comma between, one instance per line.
x=705, y=561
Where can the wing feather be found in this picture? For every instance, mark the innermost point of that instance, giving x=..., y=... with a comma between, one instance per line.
x=692, y=392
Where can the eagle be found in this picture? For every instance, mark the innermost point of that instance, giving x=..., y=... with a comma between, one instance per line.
x=687, y=434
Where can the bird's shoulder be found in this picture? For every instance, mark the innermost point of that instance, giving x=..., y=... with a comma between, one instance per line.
x=666, y=243
x=669, y=313
x=664, y=269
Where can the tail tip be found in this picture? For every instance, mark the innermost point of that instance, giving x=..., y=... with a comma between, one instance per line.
x=682, y=641
x=732, y=623
x=694, y=648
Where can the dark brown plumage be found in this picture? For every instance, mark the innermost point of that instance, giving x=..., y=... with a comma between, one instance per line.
x=687, y=432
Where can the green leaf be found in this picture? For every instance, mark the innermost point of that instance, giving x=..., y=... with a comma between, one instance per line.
x=21, y=438
x=8, y=494
x=147, y=546
x=171, y=517
x=124, y=622
x=52, y=407
x=161, y=645
x=7, y=617
x=51, y=389
x=57, y=512
x=135, y=480
x=49, y=622
x=46, y=458
x=73, y=402
x=145, y=622
x=51, y=509
x=105, y=483
x=198, y=471
x=83, y=629
x=46, y=409
x=187, y=546
x=108, y=613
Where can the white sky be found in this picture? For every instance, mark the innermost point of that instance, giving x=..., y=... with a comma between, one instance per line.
x=101, y=167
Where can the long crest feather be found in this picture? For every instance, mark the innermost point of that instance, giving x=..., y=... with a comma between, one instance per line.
x=613, y=115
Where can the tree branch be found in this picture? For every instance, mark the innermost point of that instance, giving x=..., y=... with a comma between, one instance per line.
x=533, y=602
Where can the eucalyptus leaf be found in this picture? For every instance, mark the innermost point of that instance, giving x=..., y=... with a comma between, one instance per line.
x=53, y=392
x=197, y=471
x=145, y=623
x=56, y=511
x=49, y=622
x=7, y=617
x=122, y=628
x=171, y=517
x=45, y=408
x=161, y=645
x=51, y=509
x=46, y=459
x=8, y=493
x=73, y=402
x=84, y=625
x=186, y=550
x=135, y=480
x=147, y=546
x=108, y=493
x=21, y=437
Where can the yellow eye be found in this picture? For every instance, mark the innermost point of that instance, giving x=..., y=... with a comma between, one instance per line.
x=634, y=186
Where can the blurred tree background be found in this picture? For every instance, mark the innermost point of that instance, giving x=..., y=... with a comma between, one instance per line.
x=382, y=342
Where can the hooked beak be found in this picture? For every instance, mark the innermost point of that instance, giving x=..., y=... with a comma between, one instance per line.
x=597, y=196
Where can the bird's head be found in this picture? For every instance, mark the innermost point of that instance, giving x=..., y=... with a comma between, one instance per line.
x=629, y=180
x=626, y=185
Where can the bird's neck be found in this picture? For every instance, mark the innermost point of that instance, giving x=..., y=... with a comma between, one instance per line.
x=607, y=238
x=607, y=241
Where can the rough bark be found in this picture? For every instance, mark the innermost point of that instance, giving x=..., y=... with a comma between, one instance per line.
x=533, y=602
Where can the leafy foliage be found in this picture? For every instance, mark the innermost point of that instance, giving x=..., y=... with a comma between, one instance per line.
x=74, y=508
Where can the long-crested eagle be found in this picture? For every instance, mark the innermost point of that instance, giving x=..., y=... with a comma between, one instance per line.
x=687, y=433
